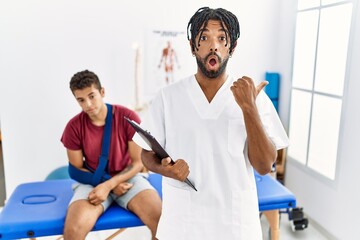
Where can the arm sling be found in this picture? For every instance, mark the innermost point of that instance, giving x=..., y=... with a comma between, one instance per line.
x=100, y=174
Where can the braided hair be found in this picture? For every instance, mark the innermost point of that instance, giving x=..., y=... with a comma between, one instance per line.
x=202, y=17
x=83, y=80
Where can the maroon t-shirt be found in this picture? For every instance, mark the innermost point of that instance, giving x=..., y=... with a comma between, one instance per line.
x=81, y=134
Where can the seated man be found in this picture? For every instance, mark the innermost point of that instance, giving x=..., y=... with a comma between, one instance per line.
x=125, y=184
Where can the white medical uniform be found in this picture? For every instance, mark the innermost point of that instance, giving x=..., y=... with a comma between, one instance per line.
x=211, y=138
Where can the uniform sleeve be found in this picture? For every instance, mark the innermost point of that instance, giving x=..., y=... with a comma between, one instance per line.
x=271, y=121
x=71, y=137
x=153, y=121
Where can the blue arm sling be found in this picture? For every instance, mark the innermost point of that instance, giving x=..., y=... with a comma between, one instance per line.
x=100, y=174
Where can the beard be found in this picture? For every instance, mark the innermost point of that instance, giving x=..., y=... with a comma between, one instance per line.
x=201, y=62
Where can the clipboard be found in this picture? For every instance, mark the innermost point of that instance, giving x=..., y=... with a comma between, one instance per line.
x=154, y=144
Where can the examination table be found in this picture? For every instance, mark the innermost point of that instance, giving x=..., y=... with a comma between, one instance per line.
x=38, y=208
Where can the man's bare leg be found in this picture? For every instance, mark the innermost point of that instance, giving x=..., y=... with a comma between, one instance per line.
x=147, y=206
x=80, y=219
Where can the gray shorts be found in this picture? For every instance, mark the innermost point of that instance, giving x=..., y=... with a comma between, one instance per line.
x=139, y=181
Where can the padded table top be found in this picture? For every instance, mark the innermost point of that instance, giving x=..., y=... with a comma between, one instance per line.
x=38, y=209
x=272, y=194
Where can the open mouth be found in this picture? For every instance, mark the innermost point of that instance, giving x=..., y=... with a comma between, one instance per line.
x=212, y=61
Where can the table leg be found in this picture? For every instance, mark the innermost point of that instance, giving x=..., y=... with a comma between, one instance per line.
x=273, y=219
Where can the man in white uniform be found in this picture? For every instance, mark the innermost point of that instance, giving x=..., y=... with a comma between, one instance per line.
x=217, y=129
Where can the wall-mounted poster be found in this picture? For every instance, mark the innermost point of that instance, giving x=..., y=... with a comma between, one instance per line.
x=164, y=56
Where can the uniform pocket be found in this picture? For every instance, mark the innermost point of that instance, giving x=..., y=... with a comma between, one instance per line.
x=236, y=137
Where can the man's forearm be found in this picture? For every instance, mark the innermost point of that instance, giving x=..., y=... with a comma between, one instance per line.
x=261, y=151
x=151, y=162
x=124, y=175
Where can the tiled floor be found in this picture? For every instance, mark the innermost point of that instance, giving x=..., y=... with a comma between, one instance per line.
x=142, y=233
x=286, y=232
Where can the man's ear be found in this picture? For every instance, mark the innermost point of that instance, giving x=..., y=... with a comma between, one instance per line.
x=102, y=92
x=232, y=51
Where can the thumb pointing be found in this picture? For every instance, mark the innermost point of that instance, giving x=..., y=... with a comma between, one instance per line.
x=261, y=86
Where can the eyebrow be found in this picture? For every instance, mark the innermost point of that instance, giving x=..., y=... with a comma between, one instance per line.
x=80, y=98
x=207, y=30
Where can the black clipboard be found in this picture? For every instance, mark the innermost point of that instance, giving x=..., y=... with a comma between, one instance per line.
x=154, y=144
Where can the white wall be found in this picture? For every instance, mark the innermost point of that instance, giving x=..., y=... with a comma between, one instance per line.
x=333, y=205
x=43, y=43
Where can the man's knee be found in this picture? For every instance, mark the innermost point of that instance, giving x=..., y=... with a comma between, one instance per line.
x=146, y=202
x=80, y=218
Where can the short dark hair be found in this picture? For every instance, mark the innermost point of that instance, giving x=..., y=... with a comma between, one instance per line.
x=203, y=15
x=83, y=80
